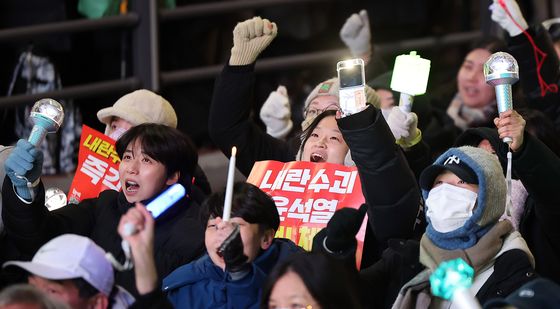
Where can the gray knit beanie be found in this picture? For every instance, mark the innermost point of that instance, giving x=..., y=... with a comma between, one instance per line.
x=490, y=204
x=140, y=106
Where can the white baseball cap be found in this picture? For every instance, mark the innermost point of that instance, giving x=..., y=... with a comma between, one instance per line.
x=71, y=256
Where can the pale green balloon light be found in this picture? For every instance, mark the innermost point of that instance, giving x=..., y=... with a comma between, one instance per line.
x=410, y=78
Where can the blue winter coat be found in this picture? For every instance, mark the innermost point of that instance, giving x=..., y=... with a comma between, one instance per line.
x=201, y=284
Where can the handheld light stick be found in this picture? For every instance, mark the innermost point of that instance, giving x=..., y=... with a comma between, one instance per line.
x=229, y=187
x=501, y=71
x=47, y=116
x=156, y=207
x=159, y=205
x=410, y=78
x=452, y=280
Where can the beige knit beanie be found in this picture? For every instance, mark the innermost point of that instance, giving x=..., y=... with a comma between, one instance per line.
x=140, y=106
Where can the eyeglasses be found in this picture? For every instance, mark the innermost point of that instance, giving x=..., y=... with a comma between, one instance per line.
x=314, y=112
x=292, y=307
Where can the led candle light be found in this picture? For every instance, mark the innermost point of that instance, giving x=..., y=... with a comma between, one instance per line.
x=410, y=78
x=452, y=280
x=229, y=186
x=501, y=71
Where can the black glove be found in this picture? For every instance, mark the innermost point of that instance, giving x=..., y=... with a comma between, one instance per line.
x=342, y=228
x=232, y=251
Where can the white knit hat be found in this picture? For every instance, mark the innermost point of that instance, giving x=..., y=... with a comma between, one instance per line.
x=140, y=106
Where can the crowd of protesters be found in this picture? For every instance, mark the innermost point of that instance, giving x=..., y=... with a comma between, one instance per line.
x=439, y=184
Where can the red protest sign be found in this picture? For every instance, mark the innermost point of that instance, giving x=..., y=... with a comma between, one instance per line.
x=307, y=195
x=98, y=166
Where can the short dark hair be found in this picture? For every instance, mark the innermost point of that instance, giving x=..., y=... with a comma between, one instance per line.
x=28, y=294
x=554, y=32
x=326, y=279
x=307, y=132
x=248, y=202
x=166, y=145
x=85, y=289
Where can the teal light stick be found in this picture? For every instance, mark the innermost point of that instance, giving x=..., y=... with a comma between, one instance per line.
x=452, y=280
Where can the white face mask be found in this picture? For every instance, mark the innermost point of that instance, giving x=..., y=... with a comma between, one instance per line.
x=449, y=207
x=117, y=133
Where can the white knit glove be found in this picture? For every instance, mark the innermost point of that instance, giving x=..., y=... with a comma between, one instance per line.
x=500, y=16
x=276, y=113
x=404, y=127
x=355, y=33
x=250, y=38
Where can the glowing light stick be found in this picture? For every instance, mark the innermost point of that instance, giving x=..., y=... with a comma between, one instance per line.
x=501, y=71
x=47, y=116
x=410, y=78
x=452, y=280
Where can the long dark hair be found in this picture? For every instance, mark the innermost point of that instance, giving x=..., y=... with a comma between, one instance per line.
x=307, y=132
x=326, y=279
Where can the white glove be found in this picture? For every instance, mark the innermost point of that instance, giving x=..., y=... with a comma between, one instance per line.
x=250, y=38
x=355, y=33
x=404, y=127
x=500, y=16
x=276, y=113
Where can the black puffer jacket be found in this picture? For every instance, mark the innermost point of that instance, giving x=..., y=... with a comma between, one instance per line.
x=388, y=184
x=538, y=168
x=179, y=233
x=522, y=50
x=229, y=123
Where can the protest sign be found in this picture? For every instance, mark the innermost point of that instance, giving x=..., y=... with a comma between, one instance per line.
x=307, y=195
x=98, y=166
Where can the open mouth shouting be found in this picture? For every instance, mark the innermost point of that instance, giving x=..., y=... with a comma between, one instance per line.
x=131, y=186
x=317, y=157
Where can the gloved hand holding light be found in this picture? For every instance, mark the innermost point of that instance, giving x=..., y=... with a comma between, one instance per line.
x=47, y=115
x=410, y=78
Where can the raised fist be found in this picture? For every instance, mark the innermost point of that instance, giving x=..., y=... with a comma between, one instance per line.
x=500, y=16
x=355, y=33
x=250, y=38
